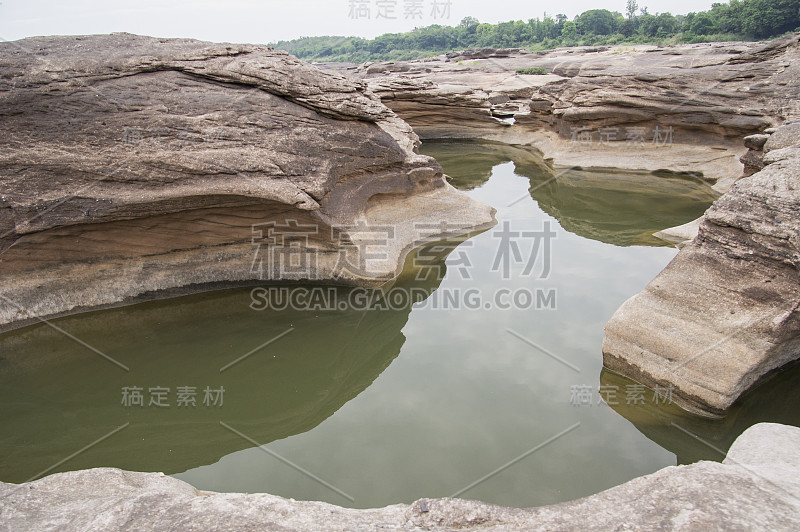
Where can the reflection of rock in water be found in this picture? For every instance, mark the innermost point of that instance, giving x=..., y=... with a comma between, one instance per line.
x=59, y=396
x=620, y=208
x=775, y=401
x=469, y=164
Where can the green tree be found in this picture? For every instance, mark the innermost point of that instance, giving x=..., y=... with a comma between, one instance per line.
x=753, y=19
x=630, y=9
x=596, y=21
x=569, y=32
x=702, y=24
x=767, y=18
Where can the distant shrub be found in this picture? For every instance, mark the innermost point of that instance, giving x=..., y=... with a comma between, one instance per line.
x=534, y=71
x=725, y=21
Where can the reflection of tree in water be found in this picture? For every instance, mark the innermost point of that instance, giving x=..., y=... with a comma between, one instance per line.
x=58, y=396
x=775, y=400
x=615, y=207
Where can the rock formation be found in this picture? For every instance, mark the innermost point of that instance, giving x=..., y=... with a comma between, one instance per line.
x=682, y=108
x=175, y=165
x=131, y=166
x=726, y=310
x=755, y=488
x=732, y=294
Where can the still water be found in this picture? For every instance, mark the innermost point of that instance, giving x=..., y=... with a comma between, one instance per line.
x=368, y=407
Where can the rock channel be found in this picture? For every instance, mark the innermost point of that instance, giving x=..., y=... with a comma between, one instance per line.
x=679, y=108
x=725, y=312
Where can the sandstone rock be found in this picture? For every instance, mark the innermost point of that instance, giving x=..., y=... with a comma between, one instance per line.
x=680, y=234
x=753, y=161
x=679, y=108
x=784, y=137
x=726, y=310
x=156, y=167
x=755, y=142
x=755, y=488
x=447, y=111
x=483, y=53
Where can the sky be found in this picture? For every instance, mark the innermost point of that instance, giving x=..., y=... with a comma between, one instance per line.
x=265, y=21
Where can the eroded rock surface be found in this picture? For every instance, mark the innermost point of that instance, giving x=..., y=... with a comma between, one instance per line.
x=132, y=165
x=683, y=108
x=755, y=488
x=726, y=310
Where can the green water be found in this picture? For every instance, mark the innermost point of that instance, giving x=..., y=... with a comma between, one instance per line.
x=371, y=407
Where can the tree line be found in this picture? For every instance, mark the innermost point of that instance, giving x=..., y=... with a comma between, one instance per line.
x=736, y=20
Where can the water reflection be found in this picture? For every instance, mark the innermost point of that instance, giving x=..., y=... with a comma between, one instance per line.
x=59, y=396
x=615, y=207
x=387, y=405
x=775, y=401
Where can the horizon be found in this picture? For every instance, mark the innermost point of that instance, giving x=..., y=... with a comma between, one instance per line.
x=251, y=21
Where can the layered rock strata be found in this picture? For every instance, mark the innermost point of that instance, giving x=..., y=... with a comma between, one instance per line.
x=726, y=310
x=682, y=108
x=131, y=166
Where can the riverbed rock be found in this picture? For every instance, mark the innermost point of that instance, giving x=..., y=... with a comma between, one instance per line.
x=726, y=310
x=682, y=108
x=133, y=166
x=755, y=142
x=755, y=488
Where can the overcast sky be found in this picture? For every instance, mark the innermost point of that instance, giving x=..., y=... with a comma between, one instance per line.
x=263, y=21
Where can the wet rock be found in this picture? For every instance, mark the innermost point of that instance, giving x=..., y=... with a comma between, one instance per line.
x=755, y=488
